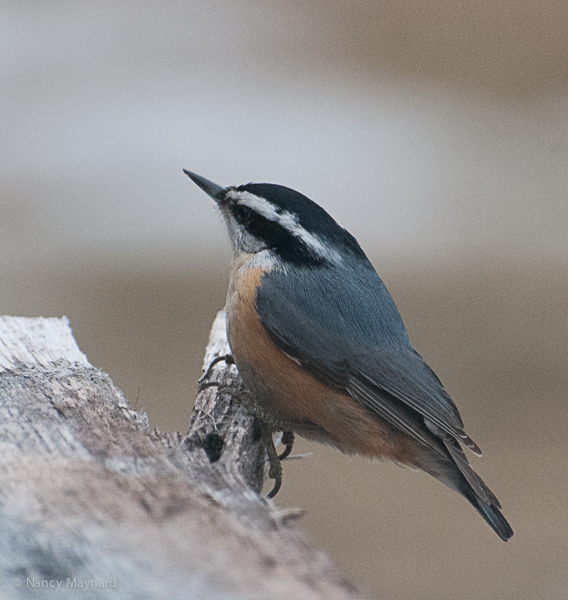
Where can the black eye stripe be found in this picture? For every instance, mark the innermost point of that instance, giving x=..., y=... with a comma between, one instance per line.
x=288, y=246
x=243, y=214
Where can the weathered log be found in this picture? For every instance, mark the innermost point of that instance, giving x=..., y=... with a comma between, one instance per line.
x=93, y=500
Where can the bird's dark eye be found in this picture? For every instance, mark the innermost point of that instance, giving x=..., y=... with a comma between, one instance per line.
x=243, y=214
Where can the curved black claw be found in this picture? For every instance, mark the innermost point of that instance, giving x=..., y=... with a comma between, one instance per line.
x=204, y=386
x=228, y=358
x=275, y=470
x=276, y=488
x=288, y=438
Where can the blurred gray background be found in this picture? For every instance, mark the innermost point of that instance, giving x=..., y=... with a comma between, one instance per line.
x=437, y=132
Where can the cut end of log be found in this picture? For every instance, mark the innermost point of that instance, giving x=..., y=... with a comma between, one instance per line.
x=218, y=344
x=37, y=342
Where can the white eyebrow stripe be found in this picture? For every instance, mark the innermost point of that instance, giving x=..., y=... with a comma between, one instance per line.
x=258, y=204
x=287, y=220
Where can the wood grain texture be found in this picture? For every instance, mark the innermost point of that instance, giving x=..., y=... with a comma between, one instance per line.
x=91, y=496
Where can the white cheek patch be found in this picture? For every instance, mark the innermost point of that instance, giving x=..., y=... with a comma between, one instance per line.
x=287, y=220
x=241, y=239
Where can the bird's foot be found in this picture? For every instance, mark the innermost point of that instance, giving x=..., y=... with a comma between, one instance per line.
x=287, y=440
x=275, y=467
x=228, y=358
x=244, y=397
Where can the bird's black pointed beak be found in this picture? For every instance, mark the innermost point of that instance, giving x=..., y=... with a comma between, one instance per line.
x=212, y=189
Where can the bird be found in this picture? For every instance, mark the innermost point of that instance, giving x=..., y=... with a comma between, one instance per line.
x=320, y=344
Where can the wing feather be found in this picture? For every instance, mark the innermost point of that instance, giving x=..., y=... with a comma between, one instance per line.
x=348, y=333
x=412, y=392
x=386, y=408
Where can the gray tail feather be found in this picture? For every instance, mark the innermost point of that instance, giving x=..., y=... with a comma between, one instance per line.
x=476, y=491
x=485, y=502
x=490, y=512
x=456, y=473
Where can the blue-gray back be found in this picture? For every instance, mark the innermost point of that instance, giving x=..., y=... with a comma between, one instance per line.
x=342, y=325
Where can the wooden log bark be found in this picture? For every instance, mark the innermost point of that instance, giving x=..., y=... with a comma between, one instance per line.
x=94, y=504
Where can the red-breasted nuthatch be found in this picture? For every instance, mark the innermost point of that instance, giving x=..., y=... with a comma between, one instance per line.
x=319, y=342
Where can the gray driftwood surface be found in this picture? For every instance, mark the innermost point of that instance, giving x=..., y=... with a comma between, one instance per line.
x=94, y=504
